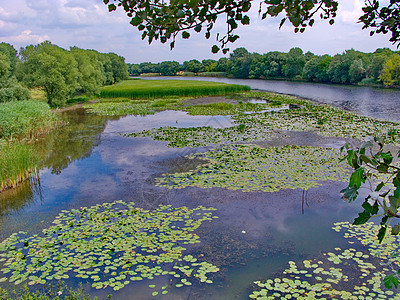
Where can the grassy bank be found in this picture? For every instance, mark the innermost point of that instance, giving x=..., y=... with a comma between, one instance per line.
x=20, y=122
x=137, y=89
x=24, y=119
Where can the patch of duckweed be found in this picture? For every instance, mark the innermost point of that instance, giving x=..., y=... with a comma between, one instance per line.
x=109, y=245
x=120, y=107
x=323, y=119
x=342, y=274
x=253, y=168
x=225, y=109
x=273, y=99
x=205, y=136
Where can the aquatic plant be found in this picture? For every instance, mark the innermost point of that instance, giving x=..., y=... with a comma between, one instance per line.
x=110, y=245
x=57, y=291
x=21, y=119
x=17, y=162
x=252, y=168
x=205, y=136
x=345, y=273
x=166, y=88
x=322, y=119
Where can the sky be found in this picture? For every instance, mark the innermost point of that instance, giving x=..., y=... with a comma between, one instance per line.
x=88, y=24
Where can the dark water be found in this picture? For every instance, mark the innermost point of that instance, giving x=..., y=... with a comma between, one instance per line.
x=89, y=162
x=367, y=101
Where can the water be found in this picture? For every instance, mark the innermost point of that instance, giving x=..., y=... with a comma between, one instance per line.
x=90, y=162
x=367, y=101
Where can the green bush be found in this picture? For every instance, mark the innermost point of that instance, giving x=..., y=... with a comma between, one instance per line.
x=20, y=119
x=13, y=92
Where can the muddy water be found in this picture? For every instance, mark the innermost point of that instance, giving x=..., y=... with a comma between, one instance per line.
x=90, y=162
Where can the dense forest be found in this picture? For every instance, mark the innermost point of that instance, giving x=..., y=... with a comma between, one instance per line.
x=61, y=73
x=350, y=67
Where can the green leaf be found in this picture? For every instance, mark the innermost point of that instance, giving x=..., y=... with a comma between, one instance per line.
x=349, y=193
x=383, y=168
x=362, y=218
x=379, y=186
x=395, y=229
x=215, y=49
x=390, y=281
x=382, y=233
x=185, y=34
x=357, y=178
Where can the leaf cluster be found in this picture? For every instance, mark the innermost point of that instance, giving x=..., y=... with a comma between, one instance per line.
x=376, y=168
x=382, y=19
x=166, y=20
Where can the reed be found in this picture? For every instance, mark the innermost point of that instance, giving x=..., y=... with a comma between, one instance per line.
x=139, y=89
x=18, y=161
x=21, y=119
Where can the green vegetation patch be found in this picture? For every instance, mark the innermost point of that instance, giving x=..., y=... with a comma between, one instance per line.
x=24, y=119
x=205, y=136
x=323, y=119
x=110, y=245
x=17, y=162
x=252, y=168
x=342, y=274
x=166, y=88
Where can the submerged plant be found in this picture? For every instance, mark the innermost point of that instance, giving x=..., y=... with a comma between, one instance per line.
x=109, y=245
x=344, y=274
x=253, y=168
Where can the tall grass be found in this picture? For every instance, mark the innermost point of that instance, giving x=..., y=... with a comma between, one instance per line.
x=137, y=89
x=19, y=119
x=17, y=162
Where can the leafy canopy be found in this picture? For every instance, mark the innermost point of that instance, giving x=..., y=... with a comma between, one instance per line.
x=165, y=20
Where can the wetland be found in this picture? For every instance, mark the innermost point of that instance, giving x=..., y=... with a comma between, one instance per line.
x=228, y=197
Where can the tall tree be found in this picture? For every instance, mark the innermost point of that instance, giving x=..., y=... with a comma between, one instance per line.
x=51, y=67
x=391, y=71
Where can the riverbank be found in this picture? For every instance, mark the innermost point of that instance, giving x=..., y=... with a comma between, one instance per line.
x=21, y=122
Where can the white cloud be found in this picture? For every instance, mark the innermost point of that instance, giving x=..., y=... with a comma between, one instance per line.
x=26, y=37
x=88, y=24
x=350, y=11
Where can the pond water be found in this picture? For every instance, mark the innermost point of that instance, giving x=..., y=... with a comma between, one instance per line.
x=367, y=101
x=89, y=162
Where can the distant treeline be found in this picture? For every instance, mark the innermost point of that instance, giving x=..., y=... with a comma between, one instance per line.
x=61, y=73
x=351, y=67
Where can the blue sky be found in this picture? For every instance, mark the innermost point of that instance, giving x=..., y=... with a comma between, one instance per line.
x=88, y=24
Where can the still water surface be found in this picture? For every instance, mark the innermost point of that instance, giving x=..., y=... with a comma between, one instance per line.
x=367, y=101
x=89, y=162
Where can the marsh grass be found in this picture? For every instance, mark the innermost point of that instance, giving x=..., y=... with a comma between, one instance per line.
x=20, y=123
x=17, y=162
x=25, y=119
x=137, y=89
